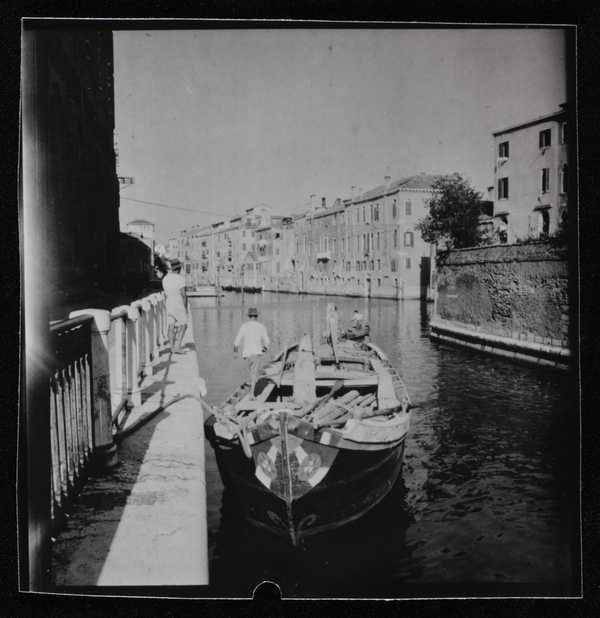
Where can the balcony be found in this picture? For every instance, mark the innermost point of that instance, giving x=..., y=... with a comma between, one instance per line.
x=323, y=256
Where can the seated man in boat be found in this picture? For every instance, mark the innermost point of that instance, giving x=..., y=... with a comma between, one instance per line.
x=174, y=286
x=357, y=319
x=254, y=341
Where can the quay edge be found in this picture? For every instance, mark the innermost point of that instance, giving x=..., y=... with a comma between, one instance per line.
x=529, y=352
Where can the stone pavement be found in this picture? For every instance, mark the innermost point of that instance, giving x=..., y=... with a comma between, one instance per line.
x=144, y=522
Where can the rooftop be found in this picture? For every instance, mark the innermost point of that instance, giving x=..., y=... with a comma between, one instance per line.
x=419, y=181
x=523, y=125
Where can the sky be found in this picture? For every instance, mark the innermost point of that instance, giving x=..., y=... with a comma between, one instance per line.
x=219, y=121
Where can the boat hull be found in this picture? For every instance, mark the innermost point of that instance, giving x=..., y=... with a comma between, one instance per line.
x=356, y=481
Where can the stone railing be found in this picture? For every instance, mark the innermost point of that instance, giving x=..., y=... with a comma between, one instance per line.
x=102, y=362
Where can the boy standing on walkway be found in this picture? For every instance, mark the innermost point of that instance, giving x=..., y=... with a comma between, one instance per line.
x=254, y=340
x=174, y=286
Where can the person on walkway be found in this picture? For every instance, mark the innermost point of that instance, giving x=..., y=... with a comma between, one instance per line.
x=254, y=341
x=174, y=286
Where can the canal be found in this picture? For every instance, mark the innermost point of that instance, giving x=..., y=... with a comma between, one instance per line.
x=486, y=501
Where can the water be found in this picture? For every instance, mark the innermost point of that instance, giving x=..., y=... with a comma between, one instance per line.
x=486, y=501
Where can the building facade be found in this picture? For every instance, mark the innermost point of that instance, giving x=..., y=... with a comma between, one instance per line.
x=368, y=246
x=531, y=177
x=70, y=82
x=364, y=246
x=69, y=210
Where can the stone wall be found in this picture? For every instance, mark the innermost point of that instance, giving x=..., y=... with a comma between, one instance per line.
x=518, y=292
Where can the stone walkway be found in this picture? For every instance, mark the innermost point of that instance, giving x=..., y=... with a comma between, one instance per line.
x=144, y=523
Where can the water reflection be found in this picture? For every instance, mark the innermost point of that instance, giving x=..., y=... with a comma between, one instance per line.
x=489, y=475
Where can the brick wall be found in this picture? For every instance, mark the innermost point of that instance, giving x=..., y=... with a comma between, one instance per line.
x=517, y=291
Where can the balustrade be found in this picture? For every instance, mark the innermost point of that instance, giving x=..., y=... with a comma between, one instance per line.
x=71, y=425
x=102, y=362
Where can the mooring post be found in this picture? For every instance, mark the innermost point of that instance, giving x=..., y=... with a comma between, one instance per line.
x=105, y=450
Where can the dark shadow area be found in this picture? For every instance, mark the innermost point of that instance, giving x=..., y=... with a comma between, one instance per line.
x=352, y=561
x=96, y=513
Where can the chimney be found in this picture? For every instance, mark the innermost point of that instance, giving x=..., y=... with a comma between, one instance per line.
x=387, y=179
x=313, y=202
x=323, y=203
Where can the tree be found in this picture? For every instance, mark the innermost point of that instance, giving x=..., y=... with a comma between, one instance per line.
x=453, y=215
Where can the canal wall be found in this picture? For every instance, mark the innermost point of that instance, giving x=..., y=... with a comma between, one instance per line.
x=510, y=300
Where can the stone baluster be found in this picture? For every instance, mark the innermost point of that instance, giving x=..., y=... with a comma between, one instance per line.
x=134, y=393
x=117, y=342
x=163, y=320
x=139, y=334
x=145, y=312
x=105, y=450
x=154, y=351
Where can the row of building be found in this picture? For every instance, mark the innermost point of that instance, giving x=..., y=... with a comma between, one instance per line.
x=369, y=245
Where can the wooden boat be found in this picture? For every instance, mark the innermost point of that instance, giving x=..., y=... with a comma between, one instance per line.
x=320, y=443
x=203, y=291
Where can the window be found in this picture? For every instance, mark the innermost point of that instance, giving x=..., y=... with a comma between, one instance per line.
x=378, y=240
x=545, y=179
x=188, y=269
x=364, y=214
x=408, y=263
x=357, y=265
x=372, y=265
x=395, y=239
x=244, y=246
x=394, y=209
x=563, y=132
x=408, y=208
x=545, y=138
x=503, y=188
x=503, y=150
x=409, y=239
x=378, y=264
x=563, y=179
x=393, y=265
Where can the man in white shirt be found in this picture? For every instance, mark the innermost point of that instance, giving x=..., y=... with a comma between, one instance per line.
x=174, y=286
x=254, y=340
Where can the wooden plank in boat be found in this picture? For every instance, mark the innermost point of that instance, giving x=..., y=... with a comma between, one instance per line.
x=251, y=404
x=255, y=404
x=370, y=380
x=386, y=394
x=339, y=374
x=304, y=372
x=383, y=430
